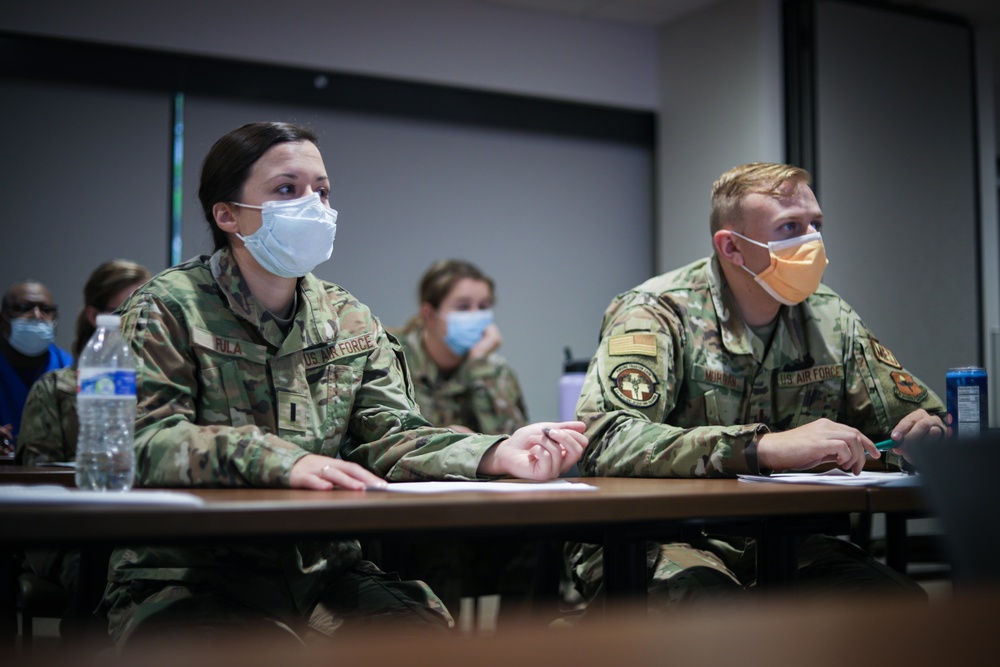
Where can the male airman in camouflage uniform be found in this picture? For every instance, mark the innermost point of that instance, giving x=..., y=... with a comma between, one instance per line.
x=481, y=394
x=707, y=372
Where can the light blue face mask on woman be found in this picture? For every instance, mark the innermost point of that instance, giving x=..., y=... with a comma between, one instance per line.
x=465, y=329
x=295, y=236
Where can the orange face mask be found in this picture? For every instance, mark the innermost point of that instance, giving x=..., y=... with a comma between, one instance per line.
x=796, y=267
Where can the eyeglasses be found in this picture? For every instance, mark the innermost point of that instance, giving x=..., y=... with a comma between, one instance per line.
x=22, y=308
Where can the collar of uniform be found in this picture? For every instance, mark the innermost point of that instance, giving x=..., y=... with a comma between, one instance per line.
x=234, y=288
x=792, y=319
x=316, y=322
x=311, y=308
x=735, y=334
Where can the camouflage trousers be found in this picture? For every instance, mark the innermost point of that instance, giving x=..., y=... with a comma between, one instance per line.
x=143, y=611
x=712, y=566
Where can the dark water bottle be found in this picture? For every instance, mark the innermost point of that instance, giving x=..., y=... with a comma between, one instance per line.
x=570, y=385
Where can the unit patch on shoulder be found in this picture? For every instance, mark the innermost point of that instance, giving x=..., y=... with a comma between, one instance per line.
x=632, y=344
x=635, y=384
x=883, y=354
x=906, y=388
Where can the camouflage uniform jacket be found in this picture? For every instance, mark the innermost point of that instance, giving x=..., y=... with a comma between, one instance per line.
x=481, y=394
x=225, y=398
x=681, y=387
x=49, y=424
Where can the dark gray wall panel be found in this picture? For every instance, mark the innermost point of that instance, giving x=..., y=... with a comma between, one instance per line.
x=896, y=180
x=85, y=179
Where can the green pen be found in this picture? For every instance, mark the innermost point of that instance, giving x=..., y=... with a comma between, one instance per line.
x=886, y=445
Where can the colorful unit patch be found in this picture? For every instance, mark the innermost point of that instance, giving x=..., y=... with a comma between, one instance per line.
x=632, y=344
x=635, y=384
x=906, y=388
x=883, y=354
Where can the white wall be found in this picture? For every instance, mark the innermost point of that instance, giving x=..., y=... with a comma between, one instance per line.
x=437, y=41
x=721, y=105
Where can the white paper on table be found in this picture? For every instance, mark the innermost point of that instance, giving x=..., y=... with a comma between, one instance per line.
x=46, y=494
x=492, y=487
x=837, y=477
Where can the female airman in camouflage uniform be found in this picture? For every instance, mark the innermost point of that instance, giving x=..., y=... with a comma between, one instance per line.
x=253, y=372
x=462, y=383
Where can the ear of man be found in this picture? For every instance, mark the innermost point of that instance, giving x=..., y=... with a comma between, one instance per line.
x=725, y=247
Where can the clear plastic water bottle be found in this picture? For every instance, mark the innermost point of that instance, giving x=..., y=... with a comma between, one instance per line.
x=105, y=404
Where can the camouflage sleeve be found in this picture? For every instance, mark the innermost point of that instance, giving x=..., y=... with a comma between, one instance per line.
x=171, y=448
x=633, y=385
x=388, y=435
x=42, y=438
x=880, y=391
x=496, y=399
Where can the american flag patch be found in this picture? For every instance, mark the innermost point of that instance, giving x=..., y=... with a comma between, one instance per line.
x=632, y=345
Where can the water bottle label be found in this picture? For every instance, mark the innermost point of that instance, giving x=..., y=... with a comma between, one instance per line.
x=102, y=382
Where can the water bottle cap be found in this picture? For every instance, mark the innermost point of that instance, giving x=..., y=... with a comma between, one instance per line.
x=109, y=321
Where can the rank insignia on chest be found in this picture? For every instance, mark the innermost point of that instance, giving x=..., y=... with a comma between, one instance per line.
x=906, y=388
x=883, y=354
x=635, y=384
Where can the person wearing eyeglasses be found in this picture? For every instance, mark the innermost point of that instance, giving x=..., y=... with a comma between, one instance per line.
x=49, y=423
x=27, y=351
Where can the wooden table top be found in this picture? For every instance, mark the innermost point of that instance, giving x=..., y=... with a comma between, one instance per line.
x=287, y=512
x=62, y=476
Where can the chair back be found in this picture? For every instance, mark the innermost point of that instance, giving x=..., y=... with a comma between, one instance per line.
x=961, y=480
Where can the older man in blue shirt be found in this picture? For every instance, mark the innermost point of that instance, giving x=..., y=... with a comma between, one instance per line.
x=27, y=330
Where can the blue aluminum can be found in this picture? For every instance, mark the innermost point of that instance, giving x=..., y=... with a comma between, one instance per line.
x=967, y=401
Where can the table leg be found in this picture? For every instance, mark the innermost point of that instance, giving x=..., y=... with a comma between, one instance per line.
x=776, y=561
x=91, y=582
x=896, y=555
x=9, y=568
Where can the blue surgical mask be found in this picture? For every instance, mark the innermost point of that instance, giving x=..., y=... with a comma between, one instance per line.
x=295, y=236
x=30, y=336
x=465, y=329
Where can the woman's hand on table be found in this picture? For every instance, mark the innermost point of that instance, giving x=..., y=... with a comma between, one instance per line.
x=322, y=473
x=537, y=451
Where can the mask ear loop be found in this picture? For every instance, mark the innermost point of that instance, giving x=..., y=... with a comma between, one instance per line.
x=756, y=243
x=259, y=208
